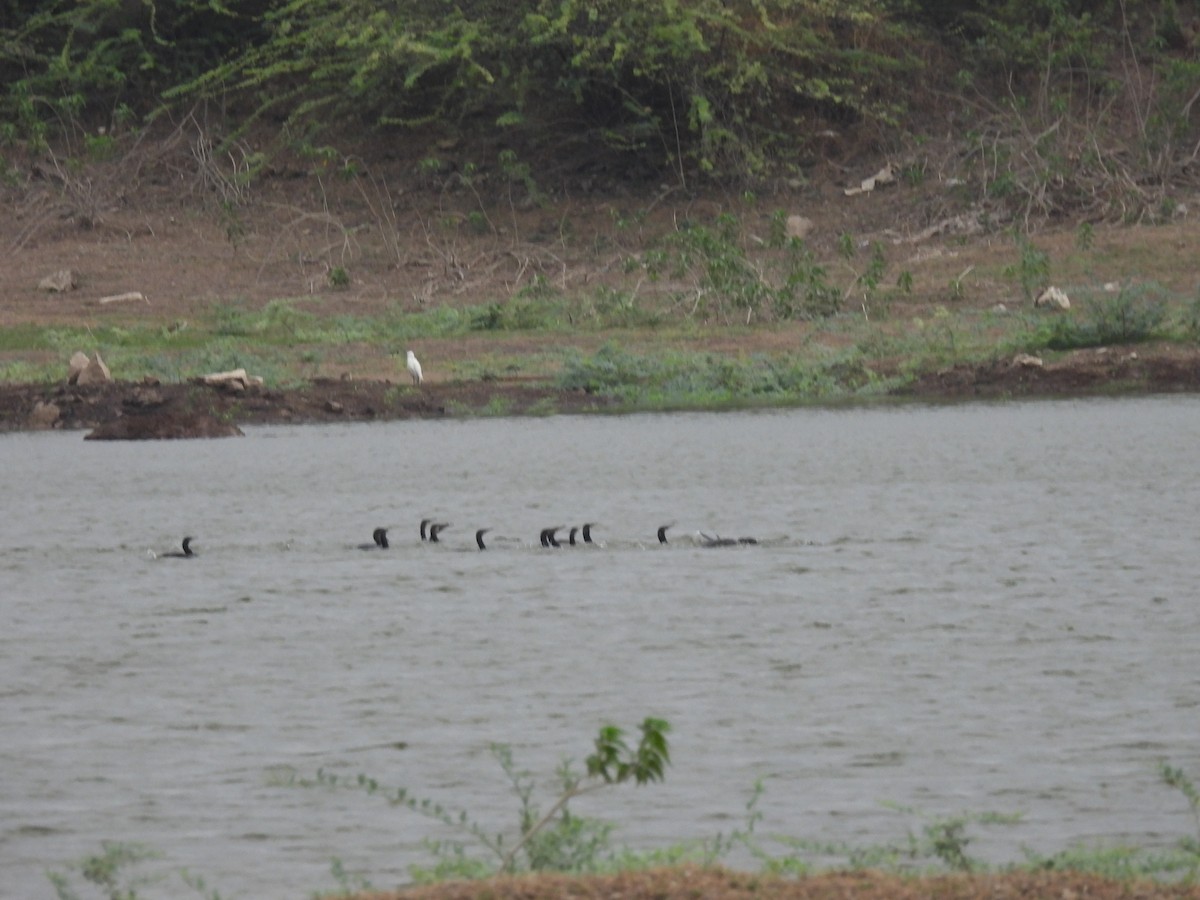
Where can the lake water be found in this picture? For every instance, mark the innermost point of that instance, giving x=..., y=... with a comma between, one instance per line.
x=985, y=608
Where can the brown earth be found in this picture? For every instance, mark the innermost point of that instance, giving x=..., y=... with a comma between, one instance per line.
x=689, y=883
x=171, y=223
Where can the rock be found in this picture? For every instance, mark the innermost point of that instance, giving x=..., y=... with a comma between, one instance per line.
x=1052, y=298
x=95, y=372
x=59, y=282
x=1026, y=361
x=886, y=175
x=799, y=227
x=163, y=426
x=218, y=379
x=79, y=362
x=127, y=297
x=234, y=381
x=43, y=416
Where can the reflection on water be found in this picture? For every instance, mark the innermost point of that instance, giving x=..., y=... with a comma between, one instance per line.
x=986, y=608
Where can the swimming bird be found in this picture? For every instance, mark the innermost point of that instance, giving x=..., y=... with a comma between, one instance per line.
x=587, y=532
x=187, y=551
x=547, y=537
x=379, y=536
x=718, y=541
x=435, y=528
x=571, y=536
x=479, y=537
x=414, y=368
x=424, y=525
x=662, y=533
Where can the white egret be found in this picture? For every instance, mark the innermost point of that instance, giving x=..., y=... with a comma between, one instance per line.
x=414, y=368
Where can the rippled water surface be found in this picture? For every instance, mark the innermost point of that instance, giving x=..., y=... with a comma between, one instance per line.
x=966, y=609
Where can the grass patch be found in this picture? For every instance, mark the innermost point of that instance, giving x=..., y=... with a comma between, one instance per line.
x=684, y=379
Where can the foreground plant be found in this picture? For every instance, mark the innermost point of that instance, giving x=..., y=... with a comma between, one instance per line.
x=553, y=841
x=1189, y=846
x=108, y=872
x=940, y=844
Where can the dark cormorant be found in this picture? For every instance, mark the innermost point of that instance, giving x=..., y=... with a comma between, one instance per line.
x=662, y=534
x=479, y=537
x=587, y=532
x=379, y=535
x=187, y=551
x=435, y=528
x=571, y=536
x=424, y=524
x=547, y=537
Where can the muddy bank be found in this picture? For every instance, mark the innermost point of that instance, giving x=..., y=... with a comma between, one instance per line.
x=145, y=411
x=1139, y=369
x=124, y=410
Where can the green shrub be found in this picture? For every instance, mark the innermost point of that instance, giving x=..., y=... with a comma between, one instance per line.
x=727, y=282
x=1032, y=268
x=1134, y=314
x=75, y=66
x=708, y=86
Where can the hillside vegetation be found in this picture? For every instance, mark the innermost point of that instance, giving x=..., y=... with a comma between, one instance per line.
x=1060, y=105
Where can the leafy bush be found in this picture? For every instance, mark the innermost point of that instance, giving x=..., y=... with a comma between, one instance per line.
x=1032, y=269
x=729, y=89
x=104, y=64
x=1076, y=107
x=1134, y=314
x=725, y=280
x=555, y=840
x=710, y=86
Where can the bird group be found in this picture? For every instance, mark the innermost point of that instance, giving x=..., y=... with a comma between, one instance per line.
x=548, y=537
x=430, y=529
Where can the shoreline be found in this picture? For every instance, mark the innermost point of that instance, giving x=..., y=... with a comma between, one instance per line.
x=157, y=409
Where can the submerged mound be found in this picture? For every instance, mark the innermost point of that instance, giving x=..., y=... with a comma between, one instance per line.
x=163, y=426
